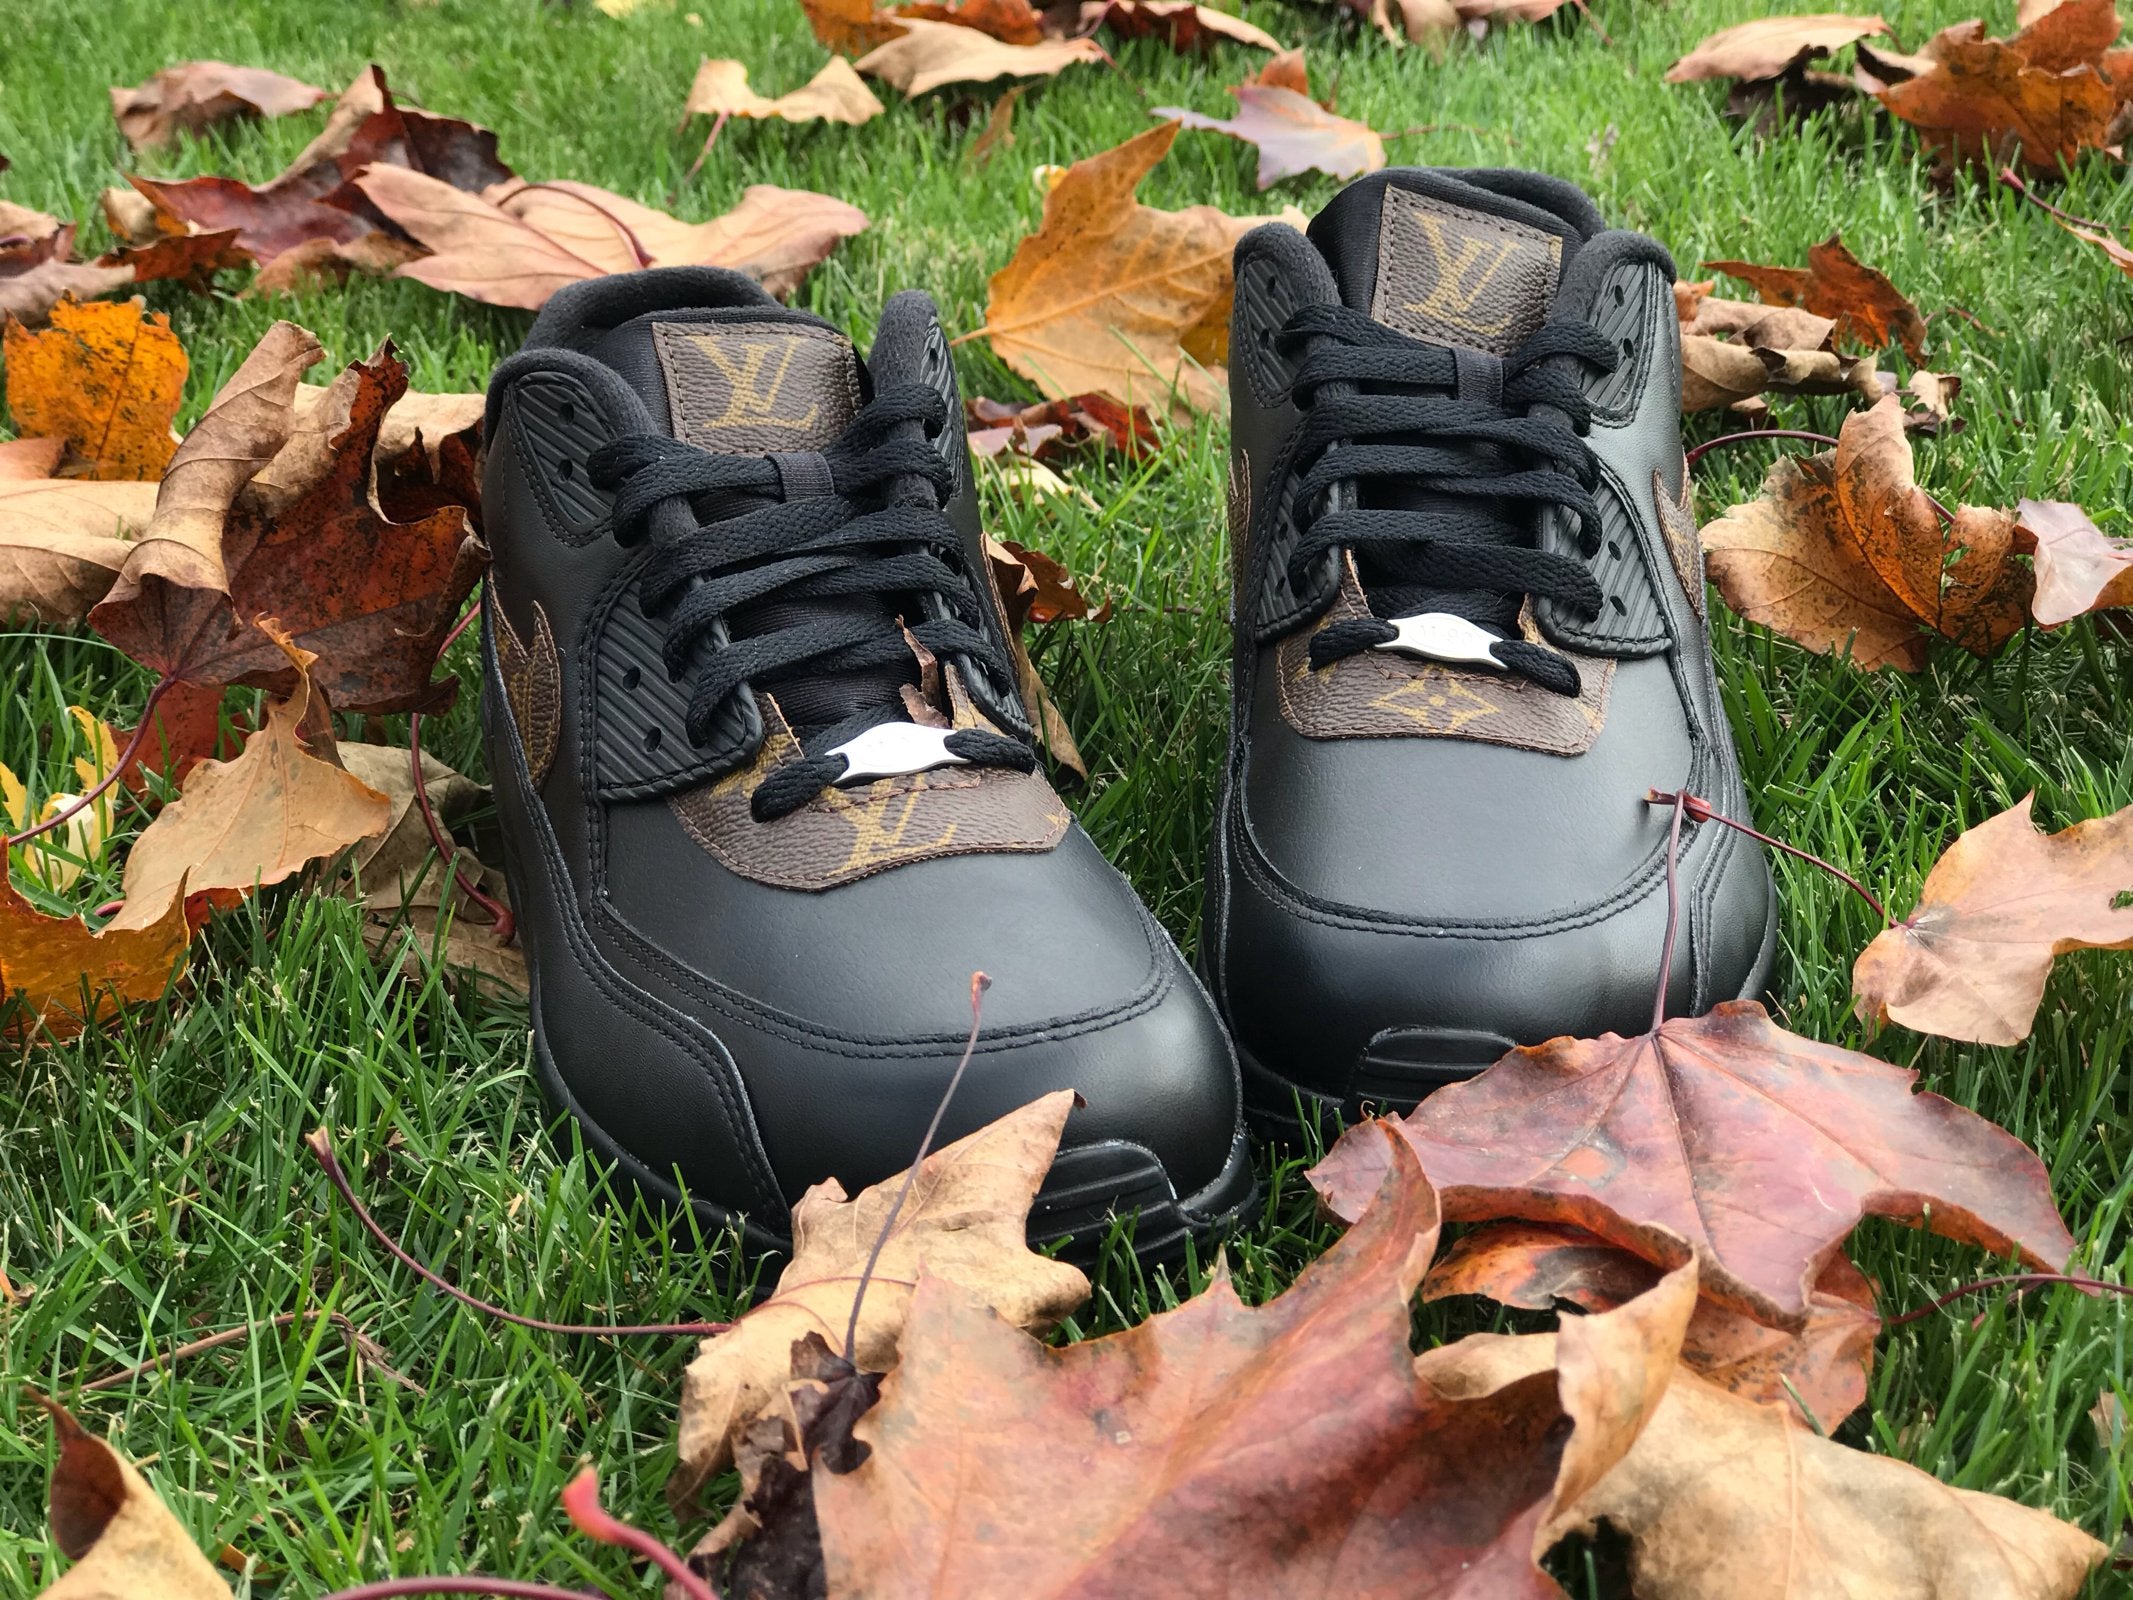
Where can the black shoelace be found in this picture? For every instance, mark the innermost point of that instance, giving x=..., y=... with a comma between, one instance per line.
x=1498, y=439
x=861, y=517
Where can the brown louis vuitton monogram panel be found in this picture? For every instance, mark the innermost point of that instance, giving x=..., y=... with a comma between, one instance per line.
x=1684, y=541
x=846, y=834
x=754, y=388
x=1454, y=276
x=1378, y=695
x=533, y=683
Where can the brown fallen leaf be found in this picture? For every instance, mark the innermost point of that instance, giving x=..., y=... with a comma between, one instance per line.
x=1286, y=71
x=849, y=27
x=515, y=246
x=1844, y=550
x=1294, y=134
x=835, y=94
x=1663, y=1144
x=63, y=541
x=192, y=259
x=123, y=1541
x=1113, y=296
x=1934, y=413
x=1034, y=587
x=37, y=269
x=1769, y=47
x=106, y=378
x=1721, y=1497
x=929, y=54
x=1181, y=24
x=964, y=1225
x=194, y=95
x=2079, y=568
x=428, y=453
x=1971, y=959
x=1219, y=1449
x=1052, y=428
x=1009, y=21
x=46, y=961
x=1738, y=372
x=2120, y=257
x=1535, y=1265
x=251, y=822
x=1863, y=304
x=2041, y=97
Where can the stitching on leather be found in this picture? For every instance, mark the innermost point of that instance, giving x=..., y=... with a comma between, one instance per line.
x=718, y=1067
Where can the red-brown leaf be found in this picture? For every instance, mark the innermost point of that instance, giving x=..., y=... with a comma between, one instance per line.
x=1722, y=1137
x=1836, y=284
x=198, y=94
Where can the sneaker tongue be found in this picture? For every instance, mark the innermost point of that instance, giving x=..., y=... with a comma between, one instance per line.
x=1444, y=261
x=740, y=383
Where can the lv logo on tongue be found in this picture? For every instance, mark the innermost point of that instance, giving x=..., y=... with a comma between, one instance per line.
x=759, y=388
x=1462, y=277
x=1465, y=269
x=749, y=398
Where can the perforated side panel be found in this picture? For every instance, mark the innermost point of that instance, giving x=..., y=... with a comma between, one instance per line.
x=559, y=426
x=1632, y=621
x=1265, y=300
x=1623, y=314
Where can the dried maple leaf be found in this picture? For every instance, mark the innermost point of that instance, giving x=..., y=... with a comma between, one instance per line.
x=62, y=540
x=1181, y=24
x=1769, y=47
x=2120, y=256
x=2042, y=96
x=428, y=453
x=1114, y=296
x=1720, y=1496
x=198, y=94
x=964, y=1224
x=46, y=961
x=1051, y=427
x=1844, y=549
x=849, y=27
x=1220, y=1449
x=2079, y=568
x=1835, y=284
x=927, y=55
x=835, y=94
x=37, y=270
x=192, y=259
x=1970, y=961
x=1723, y=1137
x=123, y=1540
x=254, y=821
x=105, y=377
x=264, y=515
x=1534, y=1265
x=1294, y=134
x=1009, y=21
x=517, y=245
x=1286, y=71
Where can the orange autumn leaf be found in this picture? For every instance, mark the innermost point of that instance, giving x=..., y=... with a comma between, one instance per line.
x=849, y=27
x=2005, y=900
x=1843, y=550
x=254, y=821
x=1009, y=21
x=1769, y=47
x=1836, y=284
x=107, y=377
x=1721, y=1137
x=46, y=961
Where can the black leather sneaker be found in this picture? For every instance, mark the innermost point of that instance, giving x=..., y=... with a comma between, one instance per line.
x=1469, y=638
x=767, y=788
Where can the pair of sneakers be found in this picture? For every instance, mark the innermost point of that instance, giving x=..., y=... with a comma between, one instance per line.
x=768, y=790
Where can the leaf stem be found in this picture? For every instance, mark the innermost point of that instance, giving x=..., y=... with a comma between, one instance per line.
x=366, y=1349
x=581, y=1500
x=1749, y=435
x=2025, y=1280
x=2009, y=177
x=103, y=784
x=473, y=1583
x=979, y=983
x=1673, y=912
x=320, y=1144
x=1701, y=811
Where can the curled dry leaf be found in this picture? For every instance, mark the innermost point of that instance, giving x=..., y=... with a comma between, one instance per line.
x=254, y=821
x=2079, y=568
x=2052, y=91
x=1294, y=134
x=929, y=54
x=2120, y=257
x=517, y=244
x=123, y=1540
x=37, y=270
x=192, y=259
x=428, y=453
x=1220, y=1449
x=1862, y=303
x=1971, y=959
x=1179, y=23
x=835, y=94
x=1662, y=1144
x=1770, y=47
x=106, y=378
x=1720, y=1496
x=198, y=94
x=964, y=1225
x=45, y=962
x=1051, y=427
x=1114, y=296
x=1535, y=1265
x=1844, y=550
x=63, y=541
x=1286, y=71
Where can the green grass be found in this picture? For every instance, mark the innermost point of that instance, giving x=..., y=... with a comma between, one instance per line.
x=152, y=1182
